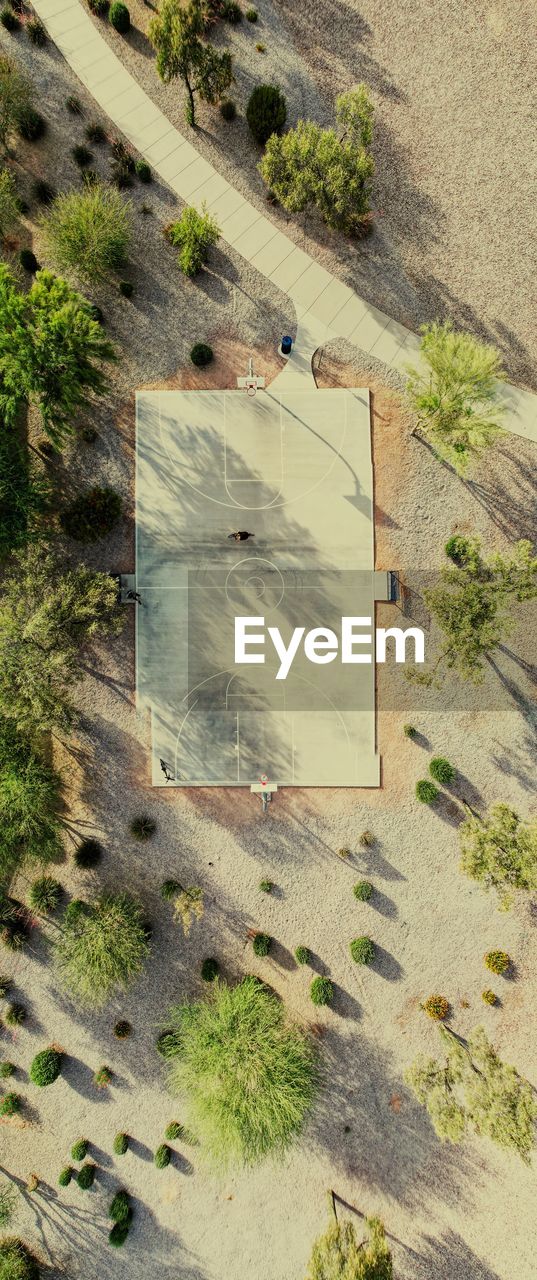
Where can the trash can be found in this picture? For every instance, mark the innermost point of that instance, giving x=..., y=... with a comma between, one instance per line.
x=287, y=343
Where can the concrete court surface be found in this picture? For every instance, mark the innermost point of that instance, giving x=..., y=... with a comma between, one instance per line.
x=293, y=467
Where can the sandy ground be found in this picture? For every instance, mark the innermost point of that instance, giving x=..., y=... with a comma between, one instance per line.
x=447, y=1210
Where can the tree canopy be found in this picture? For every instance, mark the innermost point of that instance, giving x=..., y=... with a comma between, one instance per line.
x=29, y=798
x=176, y=34
x=88, y=232
x=500, y=851
x=339, y=1255
x=101, y=948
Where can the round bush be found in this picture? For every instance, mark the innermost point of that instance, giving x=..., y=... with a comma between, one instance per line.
x=169, y=890
x=102, y=1078
x=15, y=1015
x=363, y=890
x=497, y=961
x=231, y=12
x=366, y=839
x=122, y=1029
x=167, y=1043
x=201, y=354
x=5, y=985
x=28, y=261
x=99, y=7
x=426, y=791
x=118, y=1234
x=65, y=1176
x=74, y=105
x=266, y=112
x=162, y=1156
x=92, y=515
x=173, y=1131
x=46, y=1067
x=251, y=15
x=16, y=1261
x=266, y=886
x=209, y=969
x=362, y=950
x=436, y=1007
x=43, y=191
x=8, y=19
x=143, y=827
x=441, y=770
x=120, y=1144
x=126, y=288
x=119, y=17
x=10, y=1104
x=89, y=435
x=261, y=944
x=36, y=32
x=143, y=171
x=7, y=1069
x=81, y=155
x=302, y=955
x=86, y=1176
x=344, y=852
x=409, y=731
x=45, y=894
x=95, y=132
x=32, y=126
x=322, y=991
x=88, y=853
x=228, y=110
x=79, y=1149
x=119, y=1207
x=458, y=549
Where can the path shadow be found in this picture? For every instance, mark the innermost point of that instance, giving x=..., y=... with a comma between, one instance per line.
x=443, y=1258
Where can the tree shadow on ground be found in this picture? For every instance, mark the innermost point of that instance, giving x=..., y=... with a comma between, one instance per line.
x=442, y=1258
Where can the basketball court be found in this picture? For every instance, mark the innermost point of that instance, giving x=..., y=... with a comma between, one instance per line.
x=293, y=468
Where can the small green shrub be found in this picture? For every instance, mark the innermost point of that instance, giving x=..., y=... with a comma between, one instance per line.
x=5, y=985
x=118, y=1235
x=193, y=234
x=7, y=1069
x=75, y=909
x=99, y=7
x=43, y=191
x=10, y=1104
x=166, y=1044
x=209, y=969
x=266, y=112
x=95, y=132
x=32, y=126
x=489, y=996
x=173, y=1131
x=436, y=1007
x=344, y=852
x=366, y=839
x=74, y=105
x=119, y=17
x=441, y=770
x=426, y=791
x=16, y=1260
x=322, y=990
x=102, y=1078
x=362, y=950
x=122, y=1029
x=36, y=32
x=119, y=1207
x=86, y=1176
x=302, y=955
x=201, y=354
x=169, y=890
x=88, y=853
x=126, y=288
x=82, y=155
x=143, y=827
x=65, y=1176
x=261, y=944
x=120, y=1144
x=92, y=515
x=79, y=1149
x=497, y=961
x=15, y=1015
x=143, y=171
x=45, y=894
x=162, y=1156
x=8, y=19
x=458, y=549
x=46, y=1067
x=228, y=110
x=363, y=890
x=409, y=731
x=266, y=886
x=251, y=15
x=231, y=12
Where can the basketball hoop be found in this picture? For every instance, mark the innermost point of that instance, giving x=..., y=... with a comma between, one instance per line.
x=251, y=386
x=252, y=381
x=265, y=788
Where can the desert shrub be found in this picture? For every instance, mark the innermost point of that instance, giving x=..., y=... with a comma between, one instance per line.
x=118, y=1235
x=249, y=1076
x=126, y=288
x=82, y=155
x=99, y=7
x=426, y=791
x=8, y=19
x=302, y=955
x=436, y=1007
x=32, y=126
x=459, y=549
x=162, y=1156
x=5, y=985
x=88, y=231
x=260, y=47
x=102, y=947
x=231, y=12
x=441, y=770
x=88, y=853
x=95, y=132
x=79, y=1149
x=322, y=990
x=102, y=1077
x=489, y=996
x=409, y=731
x=74, y=105
x=362, y=950
x=119, y=1207
x=46, y=1067
x=75, y=910
x=201, y=354
x=15, y=1015
x=251, y=15
x=36, y=32
x=86, y=1176
x=7, y=1069
x=339, y=1255
x=166, y=1043
x=89, y=435
x=366, y=839
x=169, y=890
x=45, y=894
x=193, y=235
x=43, y=191
x=28, y=261
x=66, y=1176
x=143, y=171
x=10, y=1104
x=16, y=1261
x=261, y=944
x=266, y=112
x=122, y=1030
x=344, y=852
x=363, y=890
x=92, y=515
x=266, y=886
x=209, y=969
x=228, y=110
x=143, y=827
x=120, y=1144
x=119, y=17
x=173, y=1131
x=497, y=961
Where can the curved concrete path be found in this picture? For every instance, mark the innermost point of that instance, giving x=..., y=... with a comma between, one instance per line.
x=325, y=307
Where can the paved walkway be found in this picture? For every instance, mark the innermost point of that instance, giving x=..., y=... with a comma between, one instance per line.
x=325, y=307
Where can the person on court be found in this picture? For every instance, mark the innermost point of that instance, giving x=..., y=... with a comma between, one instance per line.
x=241, y=535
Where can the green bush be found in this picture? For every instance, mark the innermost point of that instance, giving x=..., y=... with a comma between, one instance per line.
x=120, y=1144
x=441, y=770
x=436, y=1007
x=409, y=731
x=266, y=112
x=16, y=1261
x=169, y=890
x=32, y=126
x=8, y=19
x=143, y=827
x=231, y=12
x=119, y=17
x=322, y=990
x=122, y=1029
x=46, y=1067
x=88, y=232
x=92, y=515
x=251, y=15
x=193, y=235
x=75, y=910
x=489, y=996
x=426, y=791
x=66, y=1176
x=366, y=839
x=86, y=1176
x=362, y=950
x=126, y=288
x=45, y=894
x=5, y=985
x=201, y=354
x=344, y=852
x=261, y=944
x=95, y=132
x=166, y=1044
x=102, y=1077
x=7, y=1069
x=28, y=261
x=82, y=155
x=10, y=1104
x=15, y=1015
x=497, y=961
x=363, y=890
x=119, y=1207
x=118, y=1235
x=173, y=1131
x=79, y=1149
x=228, y=110
x=460, y=550
x=36, y=32
x=43, y=191
x=162, y=1156
x=88, y=853
x=209, y=969
x=74, y=105
x=302, y=955
x=99, y=7
x=143, y=171
x=266, y=886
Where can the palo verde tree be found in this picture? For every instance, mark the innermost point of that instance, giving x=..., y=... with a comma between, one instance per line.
x=455, y=395
x=248, y=1074
x=47, y=615
x=176, y=34
x=51, y=351
x=9, y=205
x=331, y=171
x=88, y=232
x=473, y=1091
x=470, y=605
x=101, y=947
x=29, y=798
x=500, y=851
x=339, y=1255
x=16, y=97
